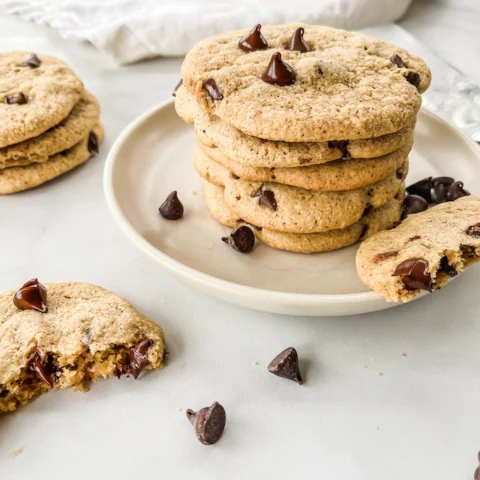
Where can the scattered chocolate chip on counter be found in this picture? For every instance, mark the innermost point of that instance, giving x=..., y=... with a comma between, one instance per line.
x=209, y=423
x=171, y=208
x=285, y=365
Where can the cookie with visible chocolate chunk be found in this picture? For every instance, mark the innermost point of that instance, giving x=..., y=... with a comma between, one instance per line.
x=376, y=220
x=81, y=120
x=35, y=95
x=423, y=252
x=333, y=176
x=291, y=209
x=18, y=179
x=256, y=152
x=64, y=335
x=346, y=86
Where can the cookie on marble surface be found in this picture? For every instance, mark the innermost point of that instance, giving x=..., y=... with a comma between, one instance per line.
x=87, y=333
x=253, y=151
x=81, y=120
x=37, y=93
x=18, y=179
x=376, y=220
x=292, y=209
x=346, y=86
x=423, y=251
x=333, y=176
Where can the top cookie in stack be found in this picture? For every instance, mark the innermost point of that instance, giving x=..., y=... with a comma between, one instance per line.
x=50, y=123
x=307, y=128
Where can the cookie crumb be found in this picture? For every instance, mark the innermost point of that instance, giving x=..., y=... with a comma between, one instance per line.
x=380, y=374
x=194, y=192
x=180, y=409
x=255, y=364
x=404, y=354
x=16, y=452
x=377, y=428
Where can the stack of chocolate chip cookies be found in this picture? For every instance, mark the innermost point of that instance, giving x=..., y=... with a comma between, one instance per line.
x=303, y=132
x=49, y=122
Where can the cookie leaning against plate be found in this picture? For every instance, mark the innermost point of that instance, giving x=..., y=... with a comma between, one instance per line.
x=34, y=95
x=18, y=179
x=333, y=176
x=346, y=86
x=376, y=220
x=255, y=152
x=88, y=333
x=423, y=251
x=84, y=116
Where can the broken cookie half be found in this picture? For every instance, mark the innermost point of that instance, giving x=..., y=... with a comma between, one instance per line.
x=423, y=252
x=61, y=335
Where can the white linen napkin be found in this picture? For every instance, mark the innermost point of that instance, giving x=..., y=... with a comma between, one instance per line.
x=131, y=30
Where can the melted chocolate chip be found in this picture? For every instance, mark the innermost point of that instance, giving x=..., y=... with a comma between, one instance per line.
x=210, y=86
x=381, y=257
x=285, y=365
x=179, y=84
x=92, y=144
x=455, y=191
x=422, y=188
x=16, y=98
x=297, y=42
x=31, y=296
x=209, y=423
x=397, y=60
x=413, y=204
x=171, y=208
x=242, y=239
x=278, y=72
x=440, y=186
x=43, y=368
x=33, y=62
x=266, y=198
x=413, y=78
x=400, y=173
x=253, y=41
x=474, y=231
x=342, y=145
x=450, y=270
x=414, y=274
x=138, y=358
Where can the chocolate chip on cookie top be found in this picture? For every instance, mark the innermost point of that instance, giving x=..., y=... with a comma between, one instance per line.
x=43, y=367
x=397, y=60
x=92, y=143
x=414, y=274
x=16, y=99
x=33, y=62
x=266, y=198
x=210, y=86
x=278, y=72
x=31, y=296
x=253, y=40
x=474, y=231
x=297, y=42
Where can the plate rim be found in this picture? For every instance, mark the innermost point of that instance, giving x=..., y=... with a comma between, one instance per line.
x=176, y=267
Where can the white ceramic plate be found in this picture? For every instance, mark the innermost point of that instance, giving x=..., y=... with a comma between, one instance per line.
x=153, y=156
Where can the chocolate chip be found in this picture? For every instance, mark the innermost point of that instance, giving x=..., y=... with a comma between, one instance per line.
x=235, y=177
x=415, y=237
x=210, y=86
x=31, y=296
x=297, y=42
x=16, y=98
x=440, y=186
x=414, y=274
x=241, y=239
x=342, y=145
x=33, y=62
x=450, y=270
x=474, y=231
x=138, y=358
x=285, y=365
x=422, y=188
x=413, y=204
x=92, y=142
x=400, y=173
x=209, y=423
x=413, y=78
x=364, y=231
x=367, y=210
x=397, y=60
x=171, y=208
x=179, y=84
x=319, y=70
x=266, y=198
x=381, y=257
x=278, y=72
x=456, y=191
x=43, y=367
x=253, y=41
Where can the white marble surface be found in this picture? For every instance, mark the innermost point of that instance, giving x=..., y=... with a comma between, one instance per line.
x=366, y=411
